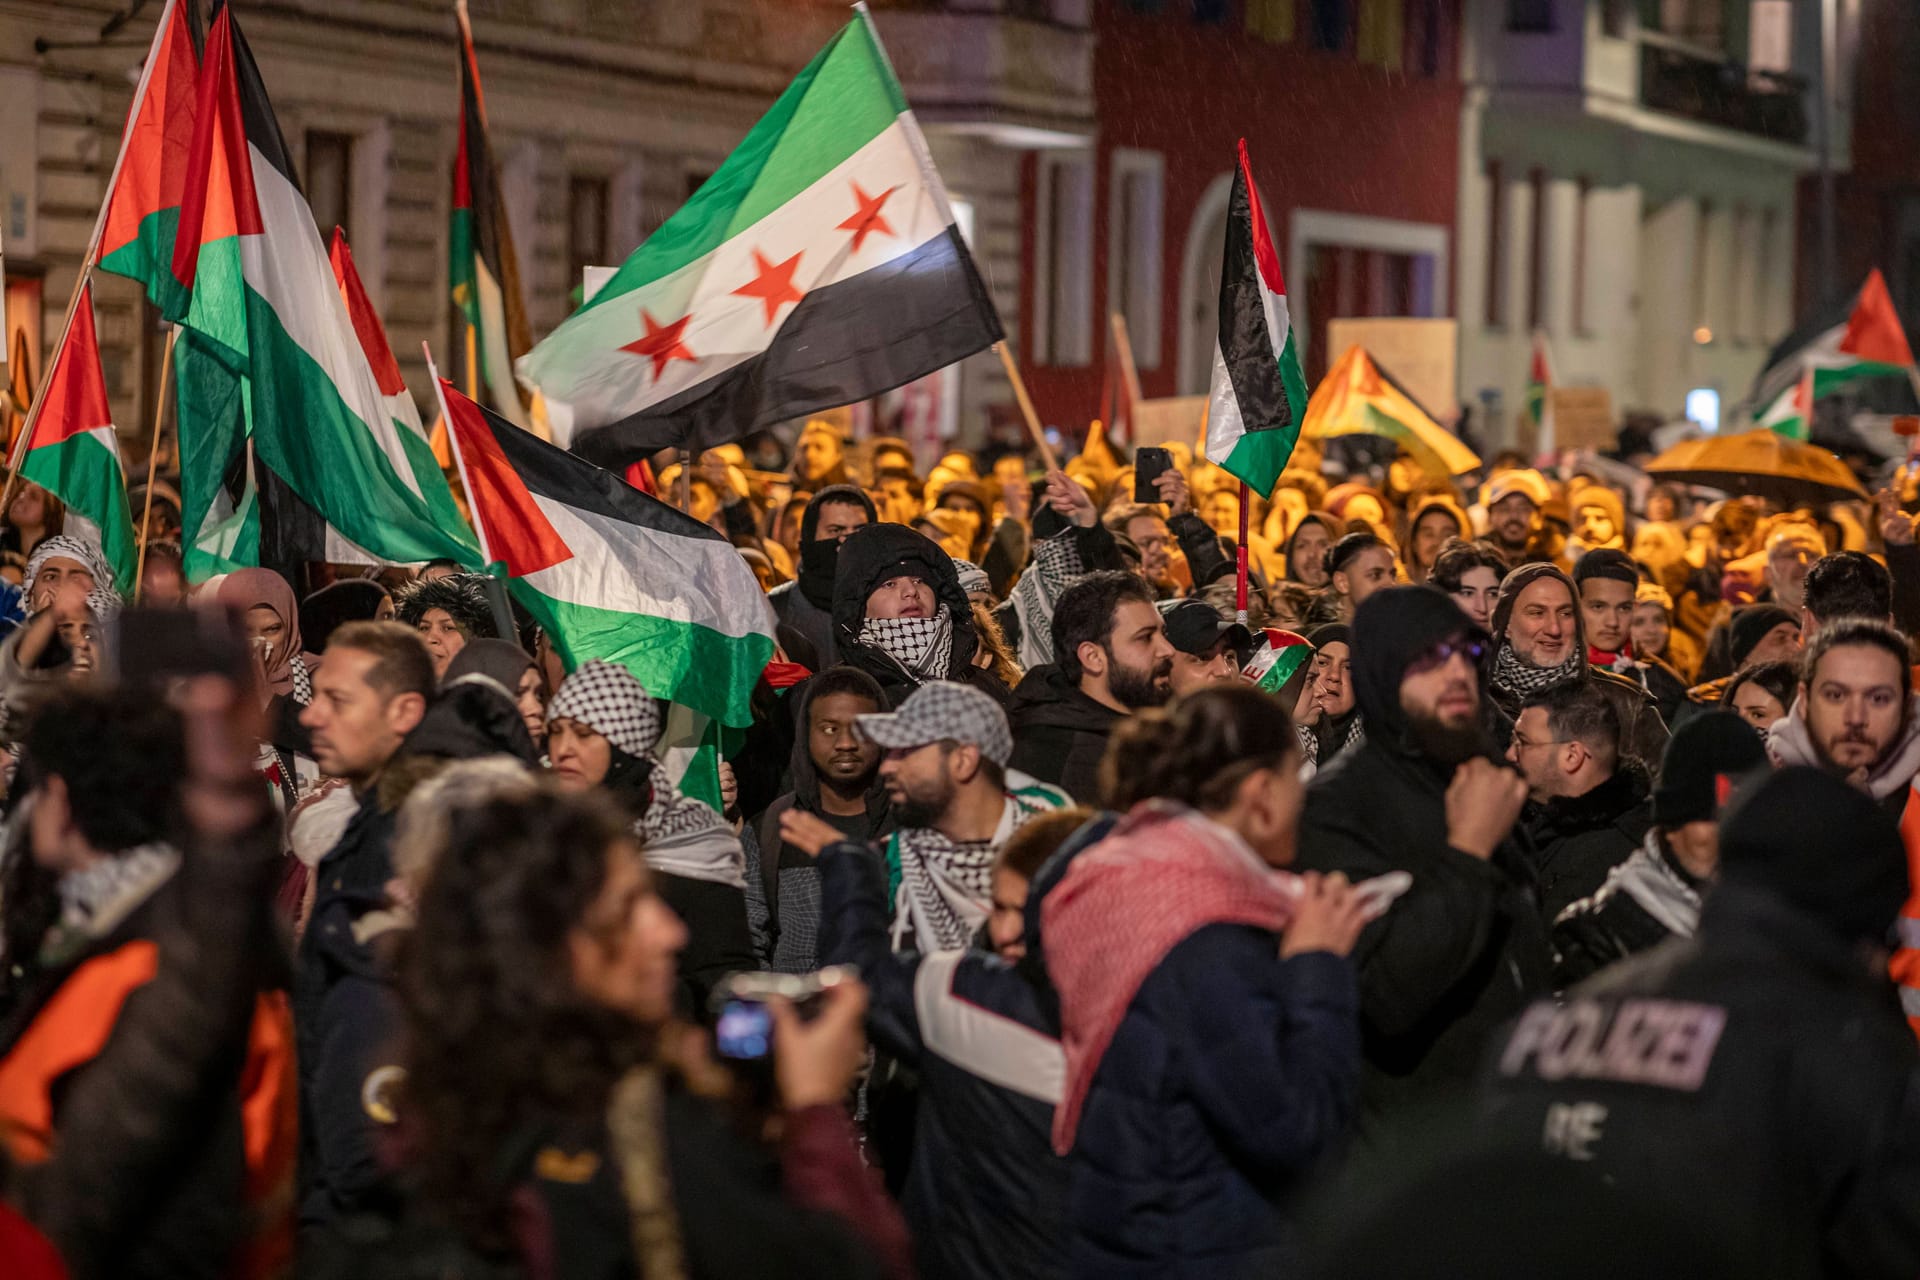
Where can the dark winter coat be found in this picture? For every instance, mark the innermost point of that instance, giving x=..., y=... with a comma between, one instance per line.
x=870, y=556
x=1059, y=733
x=1465, y=948
x=793, y=609
x=1646, y=900
x=1577, y=840
x=985, y=1194
x=1778, y=1088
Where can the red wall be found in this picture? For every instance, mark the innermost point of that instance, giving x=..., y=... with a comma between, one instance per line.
x=1324, y=131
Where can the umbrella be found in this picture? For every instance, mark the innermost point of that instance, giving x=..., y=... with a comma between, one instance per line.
x=1760, y=463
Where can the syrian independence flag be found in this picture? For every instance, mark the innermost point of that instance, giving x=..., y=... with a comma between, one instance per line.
x=142, y=208
x=819, y=266
x=1862, y=338
x=1539, y=391
x=1259, y=395
x=73, y=452
x=265, y=310
x=482, y=269
x=610, y=572
x=1791, y=414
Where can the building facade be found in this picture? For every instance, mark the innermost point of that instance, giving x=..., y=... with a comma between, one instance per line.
x=1627, y=184
x=1351, y=112
x=604, y=117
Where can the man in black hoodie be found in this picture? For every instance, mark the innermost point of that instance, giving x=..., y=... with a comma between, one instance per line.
x=836, y=777
x=1464, y=949
x=806, y=604
x=900, y=615
x=1112, y=658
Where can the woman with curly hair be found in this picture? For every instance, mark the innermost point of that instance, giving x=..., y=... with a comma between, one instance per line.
x=537, y=987
x=447, y=612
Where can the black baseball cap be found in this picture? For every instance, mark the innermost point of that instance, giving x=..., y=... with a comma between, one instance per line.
x=1194, y=626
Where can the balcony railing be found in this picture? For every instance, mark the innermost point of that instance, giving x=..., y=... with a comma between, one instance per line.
x=1684, y=80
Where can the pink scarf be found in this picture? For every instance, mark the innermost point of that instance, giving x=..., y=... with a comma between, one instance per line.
x=1164, y=873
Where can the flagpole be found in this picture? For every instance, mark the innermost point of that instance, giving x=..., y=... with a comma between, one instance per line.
x=459, y=454
x=473, y=362
x=153, y=459
x=93, y=248
x=1240, y=563
x=1129, y=372
x=1026, y=405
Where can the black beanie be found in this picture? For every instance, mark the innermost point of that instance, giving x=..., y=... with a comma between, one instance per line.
x=1606, y=562
x=1711, y=746
x=1824, y=846
x=1750, y=626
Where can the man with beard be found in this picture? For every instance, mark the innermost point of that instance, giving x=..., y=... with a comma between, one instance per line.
x=1855, y=713
x=1464, y=949
x=1540, y=639
x=806, y=604
x=1111, y=657
x=1515, y=500
x=835, y=772
x=819, y=457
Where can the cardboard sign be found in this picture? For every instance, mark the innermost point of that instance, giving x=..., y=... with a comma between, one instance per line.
x=1583, y=418
x=1422, y=354
x=1177, y=419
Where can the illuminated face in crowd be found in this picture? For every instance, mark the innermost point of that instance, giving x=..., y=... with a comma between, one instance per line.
x=1855, y=713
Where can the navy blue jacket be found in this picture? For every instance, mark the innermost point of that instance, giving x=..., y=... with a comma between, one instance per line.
x=985, y=1193
x=1231, y=1075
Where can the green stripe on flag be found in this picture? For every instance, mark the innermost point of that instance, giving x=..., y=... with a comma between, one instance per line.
x=148, y=258
x=214, y=309
x=842, y=100
x=1259, y=457
x=85, y=474
x=211, y=407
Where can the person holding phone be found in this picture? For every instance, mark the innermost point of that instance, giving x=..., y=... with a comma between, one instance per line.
x=1210, y=1017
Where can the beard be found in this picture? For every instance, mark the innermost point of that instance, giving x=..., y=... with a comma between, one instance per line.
x=1134, y=688
x=1444, y=743
x=921, y=805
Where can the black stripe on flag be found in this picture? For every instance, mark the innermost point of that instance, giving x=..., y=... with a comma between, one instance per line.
x=552, y=473
x=841, y=343
x=1253, y=366
x=256, y=110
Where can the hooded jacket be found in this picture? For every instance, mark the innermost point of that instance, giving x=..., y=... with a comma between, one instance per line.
x=1332, y=525
x=806, y=603
x=1465, y=948
x=1059, y=733
x=870, y=556
x=985, y=1194
x=1643, y=734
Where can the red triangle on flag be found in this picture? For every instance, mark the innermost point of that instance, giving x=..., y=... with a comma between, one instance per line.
x=512, y=527
x=159, y=139
x=74, y=401
x=366, y=321
x=1873, y=330
x=219, y=199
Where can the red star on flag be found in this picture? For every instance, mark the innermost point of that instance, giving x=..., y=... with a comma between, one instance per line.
x=662, y=343
x=773, y=283
x=868, y=218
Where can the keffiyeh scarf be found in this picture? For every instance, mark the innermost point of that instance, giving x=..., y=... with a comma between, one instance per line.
x=1520, y=679
x=946, y=886
x=94, y=901
x=1056, y=565
x=924, y=646
x=71, y=548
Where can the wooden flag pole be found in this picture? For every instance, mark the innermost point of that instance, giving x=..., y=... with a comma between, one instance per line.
x=1129, y=373
x=1240, y=563
x=153, y=460
x=1026, y=405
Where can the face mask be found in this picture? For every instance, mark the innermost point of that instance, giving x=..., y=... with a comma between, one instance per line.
x=818, y=560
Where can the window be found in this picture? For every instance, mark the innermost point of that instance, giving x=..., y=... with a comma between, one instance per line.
x=1530, y=17
x=1134, y=249
x=1428, y=37
x=586, y=225
x=1332, y=24
x=1496, y=299
x=1063, y=260
x=1582, y=323
x=1770, y=36
x=1271, y=20
x=1537, y=254
x=329, y=174
x=1382, y=35
x=1209, y=12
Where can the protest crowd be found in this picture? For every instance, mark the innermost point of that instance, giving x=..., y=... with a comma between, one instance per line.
x=648, y=829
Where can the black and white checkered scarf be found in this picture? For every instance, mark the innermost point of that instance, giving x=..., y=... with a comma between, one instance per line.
x=1520, y=679
x=1056, y=565
x=924, y=646
x=946, y=886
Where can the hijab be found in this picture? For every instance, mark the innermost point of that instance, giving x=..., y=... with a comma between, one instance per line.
x=245, y=589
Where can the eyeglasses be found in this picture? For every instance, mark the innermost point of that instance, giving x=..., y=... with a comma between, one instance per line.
x=1520, y=743
x=1438, y=656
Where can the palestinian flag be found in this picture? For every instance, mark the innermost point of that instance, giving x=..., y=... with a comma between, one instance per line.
x=1259, y=395
x=142, y=208
x=1358, y=397
x=1539, y=386
x=819, y=266
x=1861, y=338
x=610, y=572
x=483, y=272
x=1791, y=414
x=267, y=312
x=73, y=452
